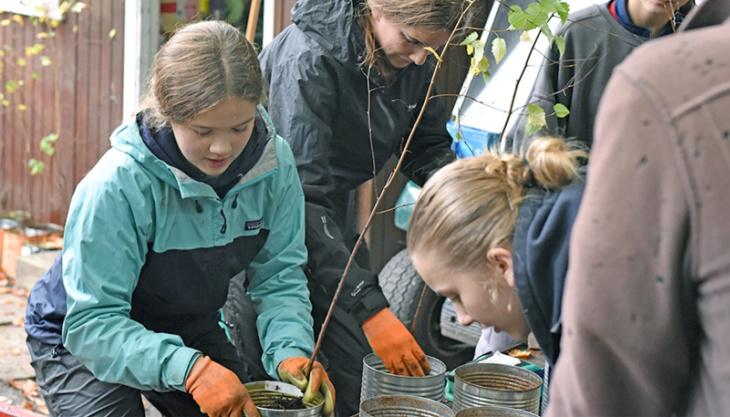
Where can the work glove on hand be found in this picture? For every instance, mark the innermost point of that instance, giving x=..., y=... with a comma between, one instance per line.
x=218, y=391
x=292, y=370
x=395, y=345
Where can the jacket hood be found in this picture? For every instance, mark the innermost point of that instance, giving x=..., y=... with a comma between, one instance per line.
x=540, y=258
x=332, y=24
x=127, y=138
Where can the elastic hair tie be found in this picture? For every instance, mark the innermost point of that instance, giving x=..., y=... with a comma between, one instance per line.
x=530, y=182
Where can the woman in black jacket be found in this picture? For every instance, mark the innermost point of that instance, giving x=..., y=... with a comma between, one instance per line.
x=347, y=81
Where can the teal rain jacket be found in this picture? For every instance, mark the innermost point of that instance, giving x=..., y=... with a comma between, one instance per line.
x=124, y=322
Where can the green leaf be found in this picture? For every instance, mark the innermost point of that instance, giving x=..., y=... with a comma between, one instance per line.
x=11, y=86
x=487, y=76
x=560, y=110
x=78, y=7
x=36, y=167
x=535, y=16
x=499, y=49
x=469, y=39
x=535, y=117
x=564, y=13
x=545, y=29
x=35, y=75
x=45, y=61
x=478, y=50
x=483, y=64
x=517, y=18
x=47, y=142
x=560, y=41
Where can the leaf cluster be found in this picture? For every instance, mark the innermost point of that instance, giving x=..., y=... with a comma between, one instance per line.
x=536, y=16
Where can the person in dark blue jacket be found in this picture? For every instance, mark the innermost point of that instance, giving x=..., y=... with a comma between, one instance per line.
x=491, y=232
x=196, y=189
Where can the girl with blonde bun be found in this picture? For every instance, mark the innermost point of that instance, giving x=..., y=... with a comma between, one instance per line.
x=491, y=233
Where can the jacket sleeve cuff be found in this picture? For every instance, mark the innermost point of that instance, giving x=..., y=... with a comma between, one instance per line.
x=175, y=372
x=369, y=304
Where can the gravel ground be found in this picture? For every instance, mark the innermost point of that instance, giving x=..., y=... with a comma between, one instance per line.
x=17, y=378
x=12, y=396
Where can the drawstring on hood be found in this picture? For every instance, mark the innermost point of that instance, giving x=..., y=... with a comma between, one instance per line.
x=225, y=223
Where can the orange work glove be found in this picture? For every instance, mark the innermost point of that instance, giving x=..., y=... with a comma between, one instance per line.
x=395, y=345
x=292, y=370
x=218, y=391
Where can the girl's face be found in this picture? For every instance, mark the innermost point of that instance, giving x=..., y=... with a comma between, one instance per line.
x=214, y=138
x=482, y=296
x=404, y=45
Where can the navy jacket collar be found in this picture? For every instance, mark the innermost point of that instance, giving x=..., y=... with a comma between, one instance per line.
x=163, y=145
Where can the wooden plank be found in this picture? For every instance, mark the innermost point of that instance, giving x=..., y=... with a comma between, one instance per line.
x=21, y=195
x=283, y=15
x=44, y=90
x=117, y=66
x=5, y=133
x=82, y=93
x=64, y=160
x=104, y=71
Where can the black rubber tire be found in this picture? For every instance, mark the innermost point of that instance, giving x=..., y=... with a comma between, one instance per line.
x=402, y=287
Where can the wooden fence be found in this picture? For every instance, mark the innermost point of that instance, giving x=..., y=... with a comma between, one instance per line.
x=76, y=95
x=79, y=97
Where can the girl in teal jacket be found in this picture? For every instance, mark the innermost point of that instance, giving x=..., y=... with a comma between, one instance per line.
x=196, y=189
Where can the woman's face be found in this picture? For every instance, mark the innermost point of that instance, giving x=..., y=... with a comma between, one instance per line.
x=482, y=296
x=214, y=138
x=404, y=45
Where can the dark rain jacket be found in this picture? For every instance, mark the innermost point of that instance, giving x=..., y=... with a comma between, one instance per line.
x=540, y=258
x=319, y=101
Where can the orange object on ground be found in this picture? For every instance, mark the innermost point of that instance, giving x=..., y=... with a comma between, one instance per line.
x=7, y=410
x=12, y=244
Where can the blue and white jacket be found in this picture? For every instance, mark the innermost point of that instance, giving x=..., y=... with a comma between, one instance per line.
x=148, y=256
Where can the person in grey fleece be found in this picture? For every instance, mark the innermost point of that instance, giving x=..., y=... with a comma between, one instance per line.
x=597, y=38
x=646, y=308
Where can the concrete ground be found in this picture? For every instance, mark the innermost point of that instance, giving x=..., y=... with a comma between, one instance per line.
x=17, y=377
x=17, y=384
